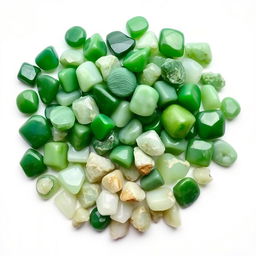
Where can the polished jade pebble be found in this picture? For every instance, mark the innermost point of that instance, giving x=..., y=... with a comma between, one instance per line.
x=47, y=59
x=137, y=26
x=210, y=124
x=199, y=152
x=122, y=115
x=230, y=108
x=67, y=98
x=27, y=102
x=68, y=79
x=106, y=102
x=177, y=121
x=193, y=71
x=210, y=97
x=98, y=221
x=121, y=82
x=200, y=52
x=75, y=36
x=186, y=192
x=130, y=132
x=156, y=126
x=122, y=155
x=94, y=48
x=152, y=180
x=145, y=120
x=189, y=96
x=47, y=186
x=144, y=100
x=173, y=72
x=32, y=163
x=119, y=43
x=102, y=126
x=28, y=74
x=47, y=88
x=150, y=74
x=171, y=43
x=71, y=58
x=158, y=60
x=80, y=156
x=80, y=136
x=55, y=155
x=214, y=79
x=167, y=94
x=36, y=131
x=58, y=135
x=62, y=118
x=223, y=153
x=136, y=60
x=173, y=146
x=148, y=39
x=49, y=109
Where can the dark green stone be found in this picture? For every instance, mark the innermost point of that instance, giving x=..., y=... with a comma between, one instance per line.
x=192, y=133
x=75, y=36
x=98, y=221
x=146, y=120
x=156, y=126
x=27, y=102
x=47, y=59
x=28, y=74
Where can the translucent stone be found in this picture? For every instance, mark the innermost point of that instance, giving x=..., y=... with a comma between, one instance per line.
x=150, y=74
x=58, y=135
x=71, y=58
x=47, y=185
x=107, y=203
x=172, y=217
x=88, y=194
x=202, y=175
x=124, y=212
x=143, y=162
x=122, y=115
x=80, y=217
x=132, y=192
x=140, y=218
x=230, y=108
x=66, y=98
x=210, y=97
x=148, y=39
x=118, y=230
x=130, y=132
x=156, y=216
x=131, y=173
x=78, y=156
x=113, y=182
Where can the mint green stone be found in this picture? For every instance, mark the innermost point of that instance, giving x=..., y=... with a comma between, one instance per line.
x=67, y=98
x=130, y=132
x=122, y=115
x=71, y=58
x=122, y=155
x=230, y=108
x=210, y=97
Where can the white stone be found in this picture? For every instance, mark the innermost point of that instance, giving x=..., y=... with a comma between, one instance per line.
x=124, y=212
x=172, y=217
x=143, y=162
x=202, y=175
x=131, y=174
x=118, y=230
x=80, y=217
x=80, y=156
x=140, y=218
x=107, y=203
x=148, y=39
x=132, y=192
x=88, y=194
x=114, y=181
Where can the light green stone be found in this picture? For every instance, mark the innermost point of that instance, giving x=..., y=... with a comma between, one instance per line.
x=71, y=58
x=193, y=71
x=66, y=98
x=148, y=39
x=210, y=97
x=230, y=108
x=88, y=194
x=130, y=132
x=150, y=74
x=58, y=135
x=80, y=156
x=122, y=115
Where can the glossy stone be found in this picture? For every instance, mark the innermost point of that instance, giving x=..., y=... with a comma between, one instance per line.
x=119, y=43
x=230, y=108
x=47, y=186
x=155, y=126
x=145, y=120
x=193, y=71
x=214, y=79
x=150, y=74
x=58, y=135
x=137, y=26
x=122, y=155
x=68, y=79
x=210, y=97
x=47, y=59
x=28, y=74
x=75, y=36
x=71, y=58
x=122, y=115
x=49, y=109
x=36, y=131
x=199, y=152
x=67, y=98
x=210, y=124
x=192, y=133
x=186, y=192
x=148, y=39
x=98, y=221
x=27, y=102
x=142, y=161
x=32, y=163
x=80, y=156
x=130, y=132
x=151, y=181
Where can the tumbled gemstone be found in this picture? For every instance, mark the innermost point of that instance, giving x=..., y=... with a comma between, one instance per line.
x=230, y=108
x=137, y=26
x=47, y=59
x=28, y=74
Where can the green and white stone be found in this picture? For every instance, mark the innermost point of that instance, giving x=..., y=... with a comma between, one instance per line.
x=71, y=58
x=80, y=217
x=107, y=203
x=58, y=135
x=193, y=70
x=150, y=74
x=122, y=115
x=172, y=217
x=148, y=39
x=202, y=175
x=141, y=218
x=66, y=98
x=80, y=156
x=131, y=174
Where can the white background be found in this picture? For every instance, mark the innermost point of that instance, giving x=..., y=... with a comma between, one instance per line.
x=223, y=221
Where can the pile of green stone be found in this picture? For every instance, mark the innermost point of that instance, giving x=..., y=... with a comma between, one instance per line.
x=117, y=122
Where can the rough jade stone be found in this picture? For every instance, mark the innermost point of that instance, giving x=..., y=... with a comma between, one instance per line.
x=122, y=155
x=36, y=131
x=200, y=52
x=144, y=100
x=193, y=71
x=210, y=97
x=28, y=74
x=177, y=121
x=171, y=43
x=199, y=152
x=27, y=102
x=47, y=186
x=71, y=58
x=152, y=180
x=32, y=163
x=137, y=60
x=80, y=136
x=98, y=221
x=186, y=192
x=156, y=126
x=137, y=26
x=173, y=146
x=189, y=96
x=47, y=59
x=150, y=74
x=119, y=43
x=167, y=94
x=223, y=153
x=210, y=124
x=130, y=132
x=230, y=108
x=47, y=88
x=148, y=39
x=122, y=115
x=75, y=36
x=88, y=75
x=55, y=155
x=67, y=98
x=68, y=79
x=213, y=79
x=102, y=126
x=94, y=48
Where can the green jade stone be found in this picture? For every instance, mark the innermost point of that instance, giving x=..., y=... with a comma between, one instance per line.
x=47, y=186
x=177, y=121
x=158, y=60
x=186, y=192
x=67, y=98
x=122, y=155
x=71, y=58
x=148, y=39
x=122, y=115
x=214, y=79
x=156, y=126
x=47, y=88
x=49, y=109
x=210, y=97
x=171, y=43
x=94, y=48
x=150, y=74
x=47, y=59
x=68, y=80
x=36, y=131
x=102, y=126
x=32, y=163
x=55, y=155
x=230, y=108
x=199, y=152
x=137, y=26
x=151, y=181
x=27, y=102
x=98, y=221
x=145, y=120
x=192, y=133
x=75, y=36
x=28, y=74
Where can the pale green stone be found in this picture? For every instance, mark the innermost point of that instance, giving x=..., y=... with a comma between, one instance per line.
x=80, y=156
x=148, y=39
x=72, y=178
x=88, y=194
x=193, y=70
x=131, y=174
x=150, y=74
x=130, y=132
x=122, y=115
x=210, y=97
x=88, y=75
x=58, y=135
x=71, y=58
x=66, y=98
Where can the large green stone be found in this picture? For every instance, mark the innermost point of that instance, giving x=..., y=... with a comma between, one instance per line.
x=28, y=74
x=27, y=101
x=137, y=26
x=47, y=59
